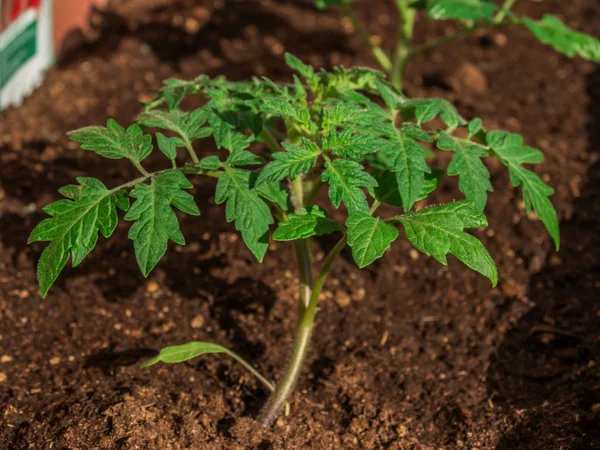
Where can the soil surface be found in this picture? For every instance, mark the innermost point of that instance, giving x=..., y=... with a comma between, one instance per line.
x=407, y=354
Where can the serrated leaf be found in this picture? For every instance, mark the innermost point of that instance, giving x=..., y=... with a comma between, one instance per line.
x=552, y=31
x=391, y=96
x=275, y=193
x=461, y=9
x=350, y=144
x=180, y=353
x=243, y=158
x=387, y=187
x=343, y=113
x=306, y=71
x=286, y=108
x=187, y=125
x=225, y=132
x=114, y=141
x=368, y=237
x=425, y=110
x=312, y=222
x=74, y=226
x=168, y=146
x=296, y=160
x=244, y=206
x=345, y=180
x=406, y=158
x=509, y=149
x=473, y=175
x=155, y=221
x=209, y=163
x=438, y=231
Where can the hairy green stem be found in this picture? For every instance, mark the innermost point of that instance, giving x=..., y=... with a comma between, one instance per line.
x=301, y=343
x=407, y=21
x=503, y=10
x=381, y=56
x=191, y=151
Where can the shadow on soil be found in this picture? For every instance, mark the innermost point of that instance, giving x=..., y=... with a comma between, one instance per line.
x=546, y=364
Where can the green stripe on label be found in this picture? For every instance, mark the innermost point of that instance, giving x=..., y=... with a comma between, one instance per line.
x=17, y=53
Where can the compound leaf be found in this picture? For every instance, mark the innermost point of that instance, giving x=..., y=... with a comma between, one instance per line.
x=345, y=180
x=552, y=31
x=438, y=231
x=296, y=160
x=74, y=226
x=368, y=237
x=473, y=175
x=155, y=221
x=244, y=206
x=509, y=149
x=114, y=141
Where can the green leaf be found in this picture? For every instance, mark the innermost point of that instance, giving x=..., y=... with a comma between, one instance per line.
x=74, y=226
x=243, y=158
x=187, y=126
x=406, y=158
x=312, y=222
x=368, y=237
x=345, y=179
x=350, y=144
x=475, y=126
x=298, y=159
x=225, y=132
x=168, y=146
x=244, y=206
x=306, y=71
x=286, y=109
x=155, y=221
x=552, y=31
x=461, y=9
x=387, y=187
x=114, y=142
x=343, y=114
x=180, y=353
x=323, y=4
x=438, y=231
x=425, y=110
x=509, y=149
x=473, y=176
x=391, y=96
x=209, y=163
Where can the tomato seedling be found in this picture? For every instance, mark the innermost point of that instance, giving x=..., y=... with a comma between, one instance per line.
x=350, y=131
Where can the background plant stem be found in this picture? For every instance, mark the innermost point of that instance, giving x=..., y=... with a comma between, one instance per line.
x=381, y=57
x=407, y=21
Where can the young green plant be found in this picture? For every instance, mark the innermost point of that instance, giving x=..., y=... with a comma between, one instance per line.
x=471, y=16
x=347, y=130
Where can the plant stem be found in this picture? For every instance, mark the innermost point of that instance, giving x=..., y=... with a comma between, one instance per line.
x=269, y=385
x=407, y=21
x=270, y=140
x=191, y=151
x=503, y=10
x=301, y=343
x=380, y=55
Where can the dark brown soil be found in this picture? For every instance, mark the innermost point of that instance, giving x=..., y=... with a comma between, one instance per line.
x=407, y=354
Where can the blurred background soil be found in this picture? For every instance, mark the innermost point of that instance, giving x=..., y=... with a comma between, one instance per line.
x=407, y=354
